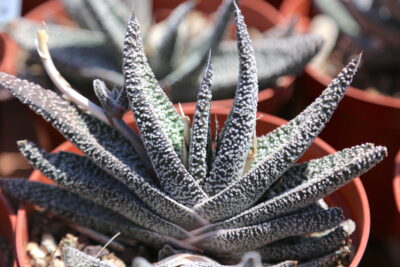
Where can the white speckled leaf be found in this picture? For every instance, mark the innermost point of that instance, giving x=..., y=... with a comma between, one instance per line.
x=322, y=107
x=200, y=132
x=174, y=178
x=135, y=63
x=71, y=206
x=73, y=257
x=308, y=247
x=240, y=125
x=104, y=145
x=310, y=191
x=81, y=176
x=301, y=173
x=257, y=235
x=283, y=147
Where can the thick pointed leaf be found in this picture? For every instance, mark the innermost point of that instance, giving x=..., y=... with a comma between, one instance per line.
x=252, y=237
x=71, y=206
x=249, y=189
x=321, y=109
x=103, y=144
x=310, y=191
x=240, y=125
x=199, y=139
x=135, y=63
x=309, y=247
x=81, y=176
x=301, y=173
x=73, y=257
x=174, y=178
x=161, y=57
x=114, y=102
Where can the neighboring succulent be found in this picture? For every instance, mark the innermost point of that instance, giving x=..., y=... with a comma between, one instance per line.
x=241, y=194
x=374, y=27
x=176, y=56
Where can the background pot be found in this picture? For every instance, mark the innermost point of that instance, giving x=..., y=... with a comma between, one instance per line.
x=361, y=117
x=351, y=198
x=7, y=225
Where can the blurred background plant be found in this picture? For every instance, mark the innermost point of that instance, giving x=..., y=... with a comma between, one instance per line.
x=177, y=47
x=371, y=26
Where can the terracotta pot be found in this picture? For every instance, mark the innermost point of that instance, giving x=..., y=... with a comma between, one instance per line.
x=396, y=192
x=351, y=198
x=258, y=14
x=396, y=181
x=31, y=4
x=361, y=117
x=7, y=227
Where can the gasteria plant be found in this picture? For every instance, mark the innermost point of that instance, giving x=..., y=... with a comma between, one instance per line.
x=172, y=186
x=176, y=56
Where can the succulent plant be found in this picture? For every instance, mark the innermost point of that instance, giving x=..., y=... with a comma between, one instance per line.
x=171, y=186
x=373, y=26
x=176, y=56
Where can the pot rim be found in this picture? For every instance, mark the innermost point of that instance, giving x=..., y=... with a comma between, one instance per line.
x=355, y=187
x=396, y=181
x=354, y=92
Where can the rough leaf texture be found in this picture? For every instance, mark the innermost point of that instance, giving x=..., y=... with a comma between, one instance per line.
x=274, y=207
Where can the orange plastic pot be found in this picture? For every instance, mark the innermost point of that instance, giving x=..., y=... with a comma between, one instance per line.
x=396, y=181
x=361, y=117
x=258, y=14
x=351, y=198
x=7, y=226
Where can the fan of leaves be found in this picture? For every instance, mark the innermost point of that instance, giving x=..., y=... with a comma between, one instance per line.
x=212, y=200
x=94, y=50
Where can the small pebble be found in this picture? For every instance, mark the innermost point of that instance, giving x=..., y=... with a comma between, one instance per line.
x=37, y=254
x=35, y=251
x=49, y=243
